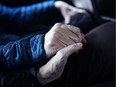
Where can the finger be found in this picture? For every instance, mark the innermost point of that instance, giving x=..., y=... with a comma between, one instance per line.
x=56, y=26
x=74, y=29
x=66, y=35
x=76, y=38
x=60, y=45
x=66, y=19
x=66, y=38
x=83, y=38
x=67, y=51
x=69, y=36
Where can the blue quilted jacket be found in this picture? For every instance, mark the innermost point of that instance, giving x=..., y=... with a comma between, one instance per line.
x=15, y=18
x=20, y=58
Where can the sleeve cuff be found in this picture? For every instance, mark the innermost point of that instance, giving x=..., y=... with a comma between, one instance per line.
x=37, y=50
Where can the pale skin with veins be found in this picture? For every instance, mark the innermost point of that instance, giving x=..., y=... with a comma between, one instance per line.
x=60, y=42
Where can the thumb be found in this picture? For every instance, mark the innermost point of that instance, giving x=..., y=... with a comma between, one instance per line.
x=66, y=19
x=67, y=51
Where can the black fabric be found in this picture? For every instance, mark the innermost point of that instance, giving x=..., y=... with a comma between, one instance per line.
x=106, y=7
x=17, y=3
x=85, y=21
x=106, y=84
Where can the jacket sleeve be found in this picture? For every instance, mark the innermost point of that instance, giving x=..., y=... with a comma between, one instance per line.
x=26, y=15
x=23, y=53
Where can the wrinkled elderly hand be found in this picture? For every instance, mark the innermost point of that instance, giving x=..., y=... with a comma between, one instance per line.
x=55, y=66
x=60, y=36
x=67, y=10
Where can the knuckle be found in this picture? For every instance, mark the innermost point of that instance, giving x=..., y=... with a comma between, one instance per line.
x=50, y=43
x=58, y=24
x=54, y=33
x=78, y=29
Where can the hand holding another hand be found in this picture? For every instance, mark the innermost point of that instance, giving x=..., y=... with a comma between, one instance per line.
x=60, y=36
x=60, y=42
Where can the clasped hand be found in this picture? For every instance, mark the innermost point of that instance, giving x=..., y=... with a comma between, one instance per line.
x=60, y=42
